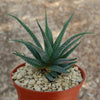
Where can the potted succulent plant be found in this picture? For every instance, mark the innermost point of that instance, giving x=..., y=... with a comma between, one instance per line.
x=50, y=74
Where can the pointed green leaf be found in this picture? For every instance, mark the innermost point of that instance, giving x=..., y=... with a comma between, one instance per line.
x=60, y=36
x=71, y=50
x=73, y=37
x=49, y=77
x=63, y=60
x=32, y=47
x=47, y=44
x=28, y=30
x=68, y=67
x=53, y=74
x=48, y=31
x=34, y=62
x=57, y=68
x=69, y=45
x=65, y=65
x=60, y=49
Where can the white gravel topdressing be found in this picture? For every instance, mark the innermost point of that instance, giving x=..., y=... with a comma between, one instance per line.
x=31, y=78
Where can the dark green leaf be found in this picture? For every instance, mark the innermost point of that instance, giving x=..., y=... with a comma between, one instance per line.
x=47, y=44
x=48, y=31
x=41, y=53
x=60, y=36
x=28, y=30
x=65, y=65
x=73, y=37
x=71, y=50
x=68, y=67
x=57, y=52
x=63, y=60
x=34, y=62
x=53, y=74
x=57, y=68
x=49, y=77
x=31, y=48
x=69, y=45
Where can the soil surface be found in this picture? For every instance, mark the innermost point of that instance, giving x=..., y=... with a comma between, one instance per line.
x=31, y=78
x=87, y=16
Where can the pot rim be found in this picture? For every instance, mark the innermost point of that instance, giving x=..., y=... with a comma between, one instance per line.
x=23, y=64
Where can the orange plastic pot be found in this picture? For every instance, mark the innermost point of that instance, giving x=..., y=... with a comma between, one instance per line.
x=26, y=94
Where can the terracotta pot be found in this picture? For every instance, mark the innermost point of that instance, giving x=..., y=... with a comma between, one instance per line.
x=26, y=94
